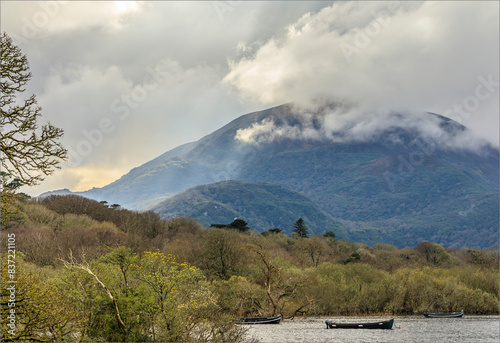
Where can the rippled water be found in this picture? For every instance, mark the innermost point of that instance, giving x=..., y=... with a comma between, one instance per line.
x=469, y=329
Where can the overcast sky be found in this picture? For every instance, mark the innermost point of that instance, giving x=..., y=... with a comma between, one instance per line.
x=129, y=80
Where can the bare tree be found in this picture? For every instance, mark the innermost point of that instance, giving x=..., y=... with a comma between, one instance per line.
x=28, y=153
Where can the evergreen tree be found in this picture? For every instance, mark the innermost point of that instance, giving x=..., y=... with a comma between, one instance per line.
x=300, y=228
x=240, y=225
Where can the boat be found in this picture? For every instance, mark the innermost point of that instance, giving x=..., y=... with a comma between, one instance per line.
x=383, y=324
x=444, y=315
x=259, y=320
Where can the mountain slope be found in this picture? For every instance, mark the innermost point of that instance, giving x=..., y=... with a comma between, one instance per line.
x=263, y=206
x=397, y=178
x=212, y=158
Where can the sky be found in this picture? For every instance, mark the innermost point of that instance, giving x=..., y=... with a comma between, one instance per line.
x=130, y=80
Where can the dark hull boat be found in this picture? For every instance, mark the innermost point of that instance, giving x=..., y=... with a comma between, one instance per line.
x=383, y=324
x=259, y=320
x=444, y=315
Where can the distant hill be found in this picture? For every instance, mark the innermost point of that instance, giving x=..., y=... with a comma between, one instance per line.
x=263, y=206
x=396, y=178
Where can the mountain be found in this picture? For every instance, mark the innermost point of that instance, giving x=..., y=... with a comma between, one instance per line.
x=391, y=177
x=263, y=206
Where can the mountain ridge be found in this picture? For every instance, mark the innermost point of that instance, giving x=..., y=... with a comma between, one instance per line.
x=264, y=206
x=406, y=175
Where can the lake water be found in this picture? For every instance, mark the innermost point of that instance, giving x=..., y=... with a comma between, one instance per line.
x=469, y=329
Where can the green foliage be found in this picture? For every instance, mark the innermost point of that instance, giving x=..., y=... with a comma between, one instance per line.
x=237, y=224
x=11, y=210
x=41, y=312
x=274, y=231
x=433, y=252
x=353, y=258
x=300, y=228
x=330, y=234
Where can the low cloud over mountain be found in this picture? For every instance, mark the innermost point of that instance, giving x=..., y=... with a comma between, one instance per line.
x=342, y=123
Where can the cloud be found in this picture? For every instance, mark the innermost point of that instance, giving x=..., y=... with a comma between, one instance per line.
x=54, y=17
x=86, y=55
x=111, y=119
x=405, y=55
x=349, y=123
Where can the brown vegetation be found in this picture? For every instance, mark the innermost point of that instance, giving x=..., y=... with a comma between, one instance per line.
x=128, y=275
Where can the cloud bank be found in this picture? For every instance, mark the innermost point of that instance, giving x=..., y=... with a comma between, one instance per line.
x=92, y=61
x=341, y=123
x=428, y=56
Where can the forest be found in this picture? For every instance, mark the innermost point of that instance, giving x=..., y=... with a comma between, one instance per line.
x=75, y=269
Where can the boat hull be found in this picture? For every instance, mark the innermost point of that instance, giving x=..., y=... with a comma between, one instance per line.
x=444, y=315
x=259, y=320
x=383, y=324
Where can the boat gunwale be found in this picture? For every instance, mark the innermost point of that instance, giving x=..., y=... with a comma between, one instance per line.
x=444, y=314
x=382, y=324
x=259, y=320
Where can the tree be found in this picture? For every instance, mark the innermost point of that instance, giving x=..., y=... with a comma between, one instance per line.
x=124, y=259
x=355, y=256
x=240, y=225
x=32, y=310
x=27, y=152
x=433, y=252
x=10, y=205
x=221, y=255
x=279, y=282
x=85, y=267
x=301, y=229
x=274, y=231
x=329, y=234
x=314, y=248
x=182, y=297
x=237, y=224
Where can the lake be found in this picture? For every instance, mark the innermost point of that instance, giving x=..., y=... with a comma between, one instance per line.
x=469, y=329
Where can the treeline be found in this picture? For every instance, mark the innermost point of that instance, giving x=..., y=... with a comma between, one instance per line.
x=89, y=272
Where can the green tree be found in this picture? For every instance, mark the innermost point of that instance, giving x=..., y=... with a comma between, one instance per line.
x=274, y=231
x=10, y=204
x=355, y=256
x=329, y=234
x=237, y=224
x=27, y=152
x=300, y=228
x=240, y=225
x=124, y=259
x=179, y=293
x=86, y=267
x=433, y=252
x=221, y=255
x=39, y=311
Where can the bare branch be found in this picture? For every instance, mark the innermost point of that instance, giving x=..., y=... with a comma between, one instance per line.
x=85, y=267
x=27, y=151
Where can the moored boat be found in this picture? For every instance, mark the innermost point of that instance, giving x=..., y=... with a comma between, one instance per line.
x=259, y=320
x=444, y=315
x=383, y=324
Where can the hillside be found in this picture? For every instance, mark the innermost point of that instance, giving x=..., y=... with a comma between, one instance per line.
x=263, y=206
x=393, y=178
